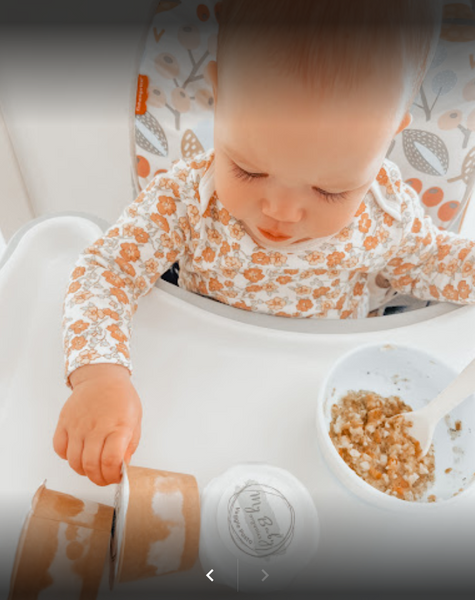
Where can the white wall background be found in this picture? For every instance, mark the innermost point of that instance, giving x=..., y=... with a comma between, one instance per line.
x=66, y=89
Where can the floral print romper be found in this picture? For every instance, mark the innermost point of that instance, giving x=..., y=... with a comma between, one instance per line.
x=179, y=218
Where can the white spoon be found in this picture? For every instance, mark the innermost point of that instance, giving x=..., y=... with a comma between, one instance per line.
x=425, y=419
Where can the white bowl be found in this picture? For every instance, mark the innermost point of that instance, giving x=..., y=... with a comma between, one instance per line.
x=416, y=377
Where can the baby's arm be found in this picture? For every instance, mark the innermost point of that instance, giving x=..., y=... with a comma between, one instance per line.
x=429, y=263
x=100, y=422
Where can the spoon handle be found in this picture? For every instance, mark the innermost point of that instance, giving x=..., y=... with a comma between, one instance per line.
x=461, y=387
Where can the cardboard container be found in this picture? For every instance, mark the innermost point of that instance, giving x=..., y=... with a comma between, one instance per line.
x=156, y=525
x=62, y=548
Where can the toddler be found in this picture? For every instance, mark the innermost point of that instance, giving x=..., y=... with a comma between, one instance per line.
x=291, y=213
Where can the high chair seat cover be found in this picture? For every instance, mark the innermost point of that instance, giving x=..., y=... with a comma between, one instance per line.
x=219, y=387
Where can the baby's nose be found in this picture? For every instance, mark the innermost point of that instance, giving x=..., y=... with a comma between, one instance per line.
x=282, y=208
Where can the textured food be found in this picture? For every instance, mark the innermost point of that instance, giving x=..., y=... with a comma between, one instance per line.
x=379, y=450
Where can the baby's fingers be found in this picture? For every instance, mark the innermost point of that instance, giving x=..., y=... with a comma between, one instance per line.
x=133, y=444
x=74, y=454
x=113, y=454
x=60, y=441
x=91, y=458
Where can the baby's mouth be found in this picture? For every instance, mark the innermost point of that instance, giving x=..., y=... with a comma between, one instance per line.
x=274, y=237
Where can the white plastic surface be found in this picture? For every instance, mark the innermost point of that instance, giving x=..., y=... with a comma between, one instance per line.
x=416, y=377
x=215, y=392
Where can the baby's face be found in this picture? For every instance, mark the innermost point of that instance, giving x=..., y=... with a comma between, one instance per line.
x=289, y=166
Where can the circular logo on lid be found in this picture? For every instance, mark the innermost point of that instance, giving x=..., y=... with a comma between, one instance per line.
x=261, y=520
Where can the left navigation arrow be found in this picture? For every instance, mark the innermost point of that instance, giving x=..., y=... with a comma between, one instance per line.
x=208, y=575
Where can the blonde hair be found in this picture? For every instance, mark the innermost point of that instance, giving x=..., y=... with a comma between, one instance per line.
x=336, y=44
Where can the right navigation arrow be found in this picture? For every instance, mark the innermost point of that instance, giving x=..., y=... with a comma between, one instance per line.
x=266, y=575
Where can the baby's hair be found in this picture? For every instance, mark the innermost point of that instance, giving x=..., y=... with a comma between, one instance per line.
x=335, y=44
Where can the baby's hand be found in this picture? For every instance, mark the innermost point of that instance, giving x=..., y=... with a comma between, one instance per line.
x=100, y=423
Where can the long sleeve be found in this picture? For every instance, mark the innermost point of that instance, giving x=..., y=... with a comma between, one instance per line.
x=429, y=263
x=111, y=275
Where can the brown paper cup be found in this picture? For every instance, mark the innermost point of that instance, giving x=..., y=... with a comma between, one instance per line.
x=62, y=548
x=156, y=526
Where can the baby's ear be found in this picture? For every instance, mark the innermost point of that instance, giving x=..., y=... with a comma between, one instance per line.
x=406, y=121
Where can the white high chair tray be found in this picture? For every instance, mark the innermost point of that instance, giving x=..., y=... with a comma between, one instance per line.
x=219, y=386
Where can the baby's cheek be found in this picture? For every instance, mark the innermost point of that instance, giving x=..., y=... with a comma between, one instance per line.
x=346, y=211
x=233, y=197
x=331, y=218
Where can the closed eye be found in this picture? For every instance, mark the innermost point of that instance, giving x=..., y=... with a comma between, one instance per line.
x=242, y=174
x=330, y=197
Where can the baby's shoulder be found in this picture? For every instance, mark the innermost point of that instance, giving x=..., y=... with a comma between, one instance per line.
x=184, y=179
x=391, y=193
x=192, y=168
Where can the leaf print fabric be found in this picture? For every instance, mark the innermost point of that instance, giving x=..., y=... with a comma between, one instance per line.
x=179, y=218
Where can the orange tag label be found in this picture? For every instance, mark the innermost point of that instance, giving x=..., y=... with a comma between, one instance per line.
x=142, y=95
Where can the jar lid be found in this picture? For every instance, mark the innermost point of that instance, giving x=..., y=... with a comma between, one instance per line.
x=257, y=519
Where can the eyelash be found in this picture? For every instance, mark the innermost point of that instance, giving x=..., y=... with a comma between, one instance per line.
x=241, y=174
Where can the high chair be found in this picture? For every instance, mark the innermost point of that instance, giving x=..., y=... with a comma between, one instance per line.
x=219, y=385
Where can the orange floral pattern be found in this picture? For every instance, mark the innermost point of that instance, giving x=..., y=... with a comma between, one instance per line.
x=171, y=221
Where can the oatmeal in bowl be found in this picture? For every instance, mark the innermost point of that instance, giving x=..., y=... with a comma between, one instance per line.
x=378, y=448
x=374, y=455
